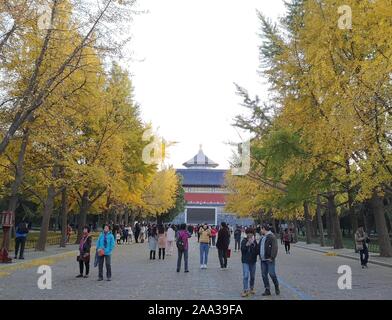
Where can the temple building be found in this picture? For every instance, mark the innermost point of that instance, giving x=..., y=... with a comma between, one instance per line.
x=205, y=193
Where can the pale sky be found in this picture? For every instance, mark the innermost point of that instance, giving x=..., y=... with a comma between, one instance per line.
x=186, y=56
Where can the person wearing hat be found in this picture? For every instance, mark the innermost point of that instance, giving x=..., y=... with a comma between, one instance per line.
x=268, y=250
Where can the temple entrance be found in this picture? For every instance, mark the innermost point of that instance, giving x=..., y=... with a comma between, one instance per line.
x=198, y=215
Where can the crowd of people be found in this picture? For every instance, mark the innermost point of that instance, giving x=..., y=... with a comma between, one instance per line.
x=253, y=242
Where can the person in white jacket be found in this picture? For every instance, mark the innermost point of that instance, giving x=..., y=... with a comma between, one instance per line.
x=170, y=236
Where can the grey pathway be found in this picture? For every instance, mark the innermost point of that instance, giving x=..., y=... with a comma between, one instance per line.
x=304, y=274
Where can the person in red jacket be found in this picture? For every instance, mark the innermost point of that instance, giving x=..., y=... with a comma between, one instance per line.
x=214, y=232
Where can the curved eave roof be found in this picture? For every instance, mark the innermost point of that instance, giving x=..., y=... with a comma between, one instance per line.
x=202, y=177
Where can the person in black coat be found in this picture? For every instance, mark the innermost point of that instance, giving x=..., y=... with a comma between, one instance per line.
x=84, y=252
x=223, y=245
x=249, y=252
x=237, y=238
x=137, y=232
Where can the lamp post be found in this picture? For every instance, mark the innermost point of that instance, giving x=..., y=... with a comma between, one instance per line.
x=7, y=220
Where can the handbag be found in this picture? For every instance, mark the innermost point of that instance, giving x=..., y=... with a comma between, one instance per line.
x=96, y=259
x=228, y=253
x=78, y=258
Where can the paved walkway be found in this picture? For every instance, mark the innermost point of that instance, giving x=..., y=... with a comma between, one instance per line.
x=304, y=274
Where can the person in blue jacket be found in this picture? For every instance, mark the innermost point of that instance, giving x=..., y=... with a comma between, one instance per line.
x=20, y=239
x=105, y=244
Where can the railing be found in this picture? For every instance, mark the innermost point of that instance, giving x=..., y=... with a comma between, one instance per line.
x=348, y=243
x=51, y=241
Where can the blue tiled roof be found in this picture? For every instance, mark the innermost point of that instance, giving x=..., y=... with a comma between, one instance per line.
x=202, y=177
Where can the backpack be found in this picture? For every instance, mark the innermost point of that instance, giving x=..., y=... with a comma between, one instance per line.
x=22, y=228
x=180, y=243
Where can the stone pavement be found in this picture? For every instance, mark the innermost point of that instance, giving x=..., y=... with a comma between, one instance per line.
x=303, y=274
x=374, y=258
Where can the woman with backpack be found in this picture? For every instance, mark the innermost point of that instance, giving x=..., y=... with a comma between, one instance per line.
x=249, y=258
x=182, y=246
x=205, y=235
x=152, y=241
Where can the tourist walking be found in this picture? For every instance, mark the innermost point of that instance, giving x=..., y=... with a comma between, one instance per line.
x=161, y=242
x=152, y=241
x=205, y=235
x=20, y=239
x=237, y=238
x=125, y=234
x=170, y=237
x=268, y=250
x=223, y=245
x=69, y=232
x=286, y=240
x=137, y=232
x=105, y=245
x=361, y=241
x=182, y=247
x=143, y=231
x=214, y=232
x=84, y=253
x=118, y=236
x=249, y=258
x=130, y=233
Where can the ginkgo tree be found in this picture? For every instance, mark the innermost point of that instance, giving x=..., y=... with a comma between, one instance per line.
x=330, y=90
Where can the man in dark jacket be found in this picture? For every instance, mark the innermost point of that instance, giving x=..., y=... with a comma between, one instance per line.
x=268, y=250
x=237, y=238
x=137, y=232
x=223, y=245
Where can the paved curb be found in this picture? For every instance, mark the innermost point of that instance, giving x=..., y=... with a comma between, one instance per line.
x=380, y=263
x=27, y=264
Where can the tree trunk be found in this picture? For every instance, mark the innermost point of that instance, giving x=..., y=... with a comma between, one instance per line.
x=335, y=223
x=13, y=203
x=159, y=219
x=48, y=209
x=314, y=227
x=382, y=232
x=308, y=223
x=132, y=217
x=320, y=222
x=84, y=206
x=126, y=216
x=295, y=223
x=64, y=213
x=353, y=216
x=18, y=173
x=329, y=225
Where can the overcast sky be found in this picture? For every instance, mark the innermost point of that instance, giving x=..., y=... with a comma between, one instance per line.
x=186, y=56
